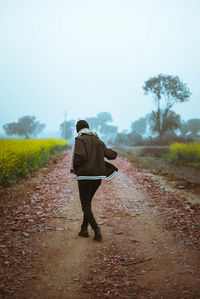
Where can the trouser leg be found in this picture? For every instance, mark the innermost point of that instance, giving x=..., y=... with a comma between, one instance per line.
x=94, y=186
x=87, y=189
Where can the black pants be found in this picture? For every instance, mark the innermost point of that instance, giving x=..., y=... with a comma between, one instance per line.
x=87, y=189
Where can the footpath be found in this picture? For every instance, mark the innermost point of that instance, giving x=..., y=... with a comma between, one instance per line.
x=150, y=245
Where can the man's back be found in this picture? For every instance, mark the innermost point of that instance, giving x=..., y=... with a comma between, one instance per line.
x=89, y=156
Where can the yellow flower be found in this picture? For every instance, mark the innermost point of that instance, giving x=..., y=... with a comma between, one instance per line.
x=20, y=156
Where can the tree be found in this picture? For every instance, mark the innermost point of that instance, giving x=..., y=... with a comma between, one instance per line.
x=184, y=128
x=139, y=126
x=104, y=117
x=101, y=126
x=166, y=90
x=26, y=126
x=135, y=138
x=93, y=123
x=67, y=128
x=122, y=139
x=108, y=132
x=194, y=126
x=170, y=121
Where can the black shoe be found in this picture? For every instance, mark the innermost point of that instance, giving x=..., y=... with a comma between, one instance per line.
x=97, y=235
x=84, y=233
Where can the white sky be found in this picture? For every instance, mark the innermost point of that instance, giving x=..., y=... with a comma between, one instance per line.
x=89, y=56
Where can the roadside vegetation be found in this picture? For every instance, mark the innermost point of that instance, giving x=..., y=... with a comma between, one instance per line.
x=184, y=154
x=19, y=157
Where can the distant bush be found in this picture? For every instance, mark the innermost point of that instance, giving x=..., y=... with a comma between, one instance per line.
x=122, y=139
x=185, y=154
x=156, y=152
x=135, y=139
x=132, y=138
x=21, y=156
x=166, y=140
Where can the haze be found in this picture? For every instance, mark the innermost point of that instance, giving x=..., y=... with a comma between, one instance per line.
x=92, y=56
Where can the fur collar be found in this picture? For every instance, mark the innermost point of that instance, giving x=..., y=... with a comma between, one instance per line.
x=87, y=132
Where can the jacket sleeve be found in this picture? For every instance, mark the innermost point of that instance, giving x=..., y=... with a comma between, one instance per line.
x=80, y=154
x=109, y=153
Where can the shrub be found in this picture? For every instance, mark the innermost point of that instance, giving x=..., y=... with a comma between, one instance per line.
x=185, y=153
x=20, y=156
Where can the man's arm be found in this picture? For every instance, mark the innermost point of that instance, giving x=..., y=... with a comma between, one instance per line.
x=79, y=153
x=109, y=153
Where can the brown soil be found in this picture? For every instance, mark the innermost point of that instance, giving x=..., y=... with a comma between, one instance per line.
x=151, y=157
x=150, y=245
x=182, y=180
x=12, y=195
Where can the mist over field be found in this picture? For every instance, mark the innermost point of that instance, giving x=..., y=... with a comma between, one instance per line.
x=70, y=60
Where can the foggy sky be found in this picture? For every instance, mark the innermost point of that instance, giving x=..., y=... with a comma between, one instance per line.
x=94, y=55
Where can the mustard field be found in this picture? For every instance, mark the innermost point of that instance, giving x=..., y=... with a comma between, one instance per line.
x=21, y=156
x=185, y=153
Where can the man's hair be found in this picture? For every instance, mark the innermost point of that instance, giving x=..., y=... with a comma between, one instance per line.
x=81, y=124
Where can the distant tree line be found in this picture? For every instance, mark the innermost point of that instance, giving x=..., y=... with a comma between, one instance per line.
x=142, y=132
x=161, y=125
x=99, y=124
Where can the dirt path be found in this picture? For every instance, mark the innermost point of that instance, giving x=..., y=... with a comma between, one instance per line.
x=149, y=249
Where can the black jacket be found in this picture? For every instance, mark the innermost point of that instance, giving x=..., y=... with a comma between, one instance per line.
x=88, y=161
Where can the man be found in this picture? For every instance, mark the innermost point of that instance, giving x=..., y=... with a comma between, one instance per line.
x=90, y=167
